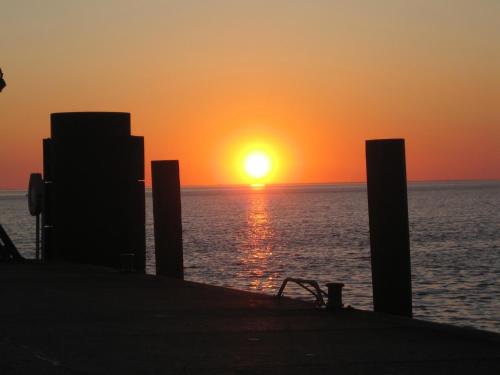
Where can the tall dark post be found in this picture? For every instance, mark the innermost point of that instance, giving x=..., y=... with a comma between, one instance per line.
x=94, y=190
x=167, y=218
x=389, y=232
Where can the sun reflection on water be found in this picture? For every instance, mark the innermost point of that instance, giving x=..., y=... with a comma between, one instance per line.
x=257, y=252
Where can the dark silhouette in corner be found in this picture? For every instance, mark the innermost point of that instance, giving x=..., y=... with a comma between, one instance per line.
x=2, y=81
x=8, y=251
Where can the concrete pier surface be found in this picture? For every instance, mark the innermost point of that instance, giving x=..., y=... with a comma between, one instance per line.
x=76, y=319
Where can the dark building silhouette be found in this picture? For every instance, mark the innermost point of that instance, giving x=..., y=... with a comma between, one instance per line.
x=94, y=182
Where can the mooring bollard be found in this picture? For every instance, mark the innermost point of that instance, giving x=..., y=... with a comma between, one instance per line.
x=167, y=218
x=127, y=261
x=334, y=296
x=389, y=232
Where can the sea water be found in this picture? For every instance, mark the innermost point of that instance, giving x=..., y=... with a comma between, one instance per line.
x=252, y=239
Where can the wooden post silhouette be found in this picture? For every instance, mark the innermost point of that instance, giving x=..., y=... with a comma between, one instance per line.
x=389, y=232
x=167, y=218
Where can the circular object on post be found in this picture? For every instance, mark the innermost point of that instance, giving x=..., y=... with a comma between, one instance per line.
x=35, y=194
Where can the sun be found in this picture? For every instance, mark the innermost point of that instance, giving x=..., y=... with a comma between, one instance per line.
x=257, y=164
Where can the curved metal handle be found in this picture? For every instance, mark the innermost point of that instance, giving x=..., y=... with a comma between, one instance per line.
x=317, y=292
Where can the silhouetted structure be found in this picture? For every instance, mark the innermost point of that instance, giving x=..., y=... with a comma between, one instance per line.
x=2, y=82
x=35, y=205
x=167, y=218
x=8, y=251
x=389, y=232
x=94, y=182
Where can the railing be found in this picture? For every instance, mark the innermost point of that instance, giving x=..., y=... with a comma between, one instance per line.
x=313, y=288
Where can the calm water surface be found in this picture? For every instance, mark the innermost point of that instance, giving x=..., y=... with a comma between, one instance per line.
x=253, y=239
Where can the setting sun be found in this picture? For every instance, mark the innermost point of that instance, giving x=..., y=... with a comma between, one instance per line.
x=257, y=164
x=255, y=160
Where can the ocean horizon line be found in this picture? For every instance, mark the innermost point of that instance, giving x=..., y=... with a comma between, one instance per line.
x=297, y=185
x=306, y=184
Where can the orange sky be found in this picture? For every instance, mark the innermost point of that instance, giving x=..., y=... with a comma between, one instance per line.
x=312, y=80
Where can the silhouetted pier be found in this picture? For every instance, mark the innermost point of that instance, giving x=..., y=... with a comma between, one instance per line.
x=70, y=318
x=77, y=319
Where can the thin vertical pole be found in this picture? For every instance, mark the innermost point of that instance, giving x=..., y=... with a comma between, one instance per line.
x=389, y=231
x=37, y=254
x=167, y=218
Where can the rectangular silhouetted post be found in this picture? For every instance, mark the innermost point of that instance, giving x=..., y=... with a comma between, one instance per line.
x=389, y=232
x=167, y=218
x=93, y=171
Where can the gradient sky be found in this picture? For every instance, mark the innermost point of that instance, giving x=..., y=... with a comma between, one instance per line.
x=311, y=80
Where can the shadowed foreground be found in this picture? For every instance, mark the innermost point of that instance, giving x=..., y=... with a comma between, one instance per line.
x=70, y=319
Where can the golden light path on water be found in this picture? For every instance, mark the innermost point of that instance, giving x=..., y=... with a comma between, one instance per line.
x=260, y=237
